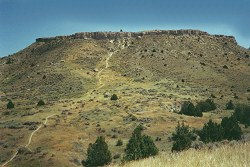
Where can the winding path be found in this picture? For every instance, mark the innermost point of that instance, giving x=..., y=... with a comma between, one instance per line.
x=46, y=119
x=29, y=141
x=106, y=66
x=122, y=46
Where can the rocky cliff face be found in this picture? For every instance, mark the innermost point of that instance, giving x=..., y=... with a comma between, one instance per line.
x=115, y=35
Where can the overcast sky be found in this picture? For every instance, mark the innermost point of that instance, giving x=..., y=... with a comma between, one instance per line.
x=22, y=21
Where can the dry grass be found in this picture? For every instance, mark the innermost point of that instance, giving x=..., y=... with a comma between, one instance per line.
x=225, y=156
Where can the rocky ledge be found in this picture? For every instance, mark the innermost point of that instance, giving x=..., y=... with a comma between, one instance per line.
x=115, y=35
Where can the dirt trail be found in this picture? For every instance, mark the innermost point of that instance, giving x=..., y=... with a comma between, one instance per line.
x=30, y=139
x=121, y=46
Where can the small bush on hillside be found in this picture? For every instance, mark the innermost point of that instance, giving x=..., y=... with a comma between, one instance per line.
x=10, y=105
x=9, y=61
x=207, y=105
x=119, y=142
x=139, y=146
x=230, y=105
x=231, y=128
x=188, y=108
x=182, y=138
x=242, y=114
x=211, y=132
x=114, y=97
x=98, y=154
x=41, y=103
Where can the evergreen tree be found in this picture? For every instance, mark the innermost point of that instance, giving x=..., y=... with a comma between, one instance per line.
x=242, y=114
x=40, y=103
x=189, y=109
x=207, y=105
x=232, y=130
x=98, y=154
x=230, y=105
x=148, y=147
x=119, y=142
x=114, y=97
x=211, y=132
x=182, y=138
x=139, y=146
x=10, y=105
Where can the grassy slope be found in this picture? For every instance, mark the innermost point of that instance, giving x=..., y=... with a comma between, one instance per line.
x=224, y=156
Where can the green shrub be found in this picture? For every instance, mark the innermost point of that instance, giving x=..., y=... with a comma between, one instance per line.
x=139, y=146
x=114, y=97
x=98, y=154
x=41, y=103
x=119, y=142
x=9, y=61
x=10, y=105
x=189, y=109
x=231, y=128
x=182, y=138
x=230, y=105
x=211, y=132
x=207, y=105
x=242, y=113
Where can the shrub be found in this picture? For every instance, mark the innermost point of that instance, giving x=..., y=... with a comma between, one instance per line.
x=188, y=108
x=242, y=114
x=9, y=61
x=114, y=97
x=40, y=103
x=98, y=153
x=207, y=105
x=10, y=105
x=119, y=142
x=211, y=132
x=231, y=128
x=139, y=146
x=230, y=105
x=182, y=138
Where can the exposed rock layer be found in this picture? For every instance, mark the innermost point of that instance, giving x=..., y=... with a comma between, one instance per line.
x=114, y=35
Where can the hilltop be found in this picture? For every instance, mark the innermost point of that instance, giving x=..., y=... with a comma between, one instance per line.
x=151, y=72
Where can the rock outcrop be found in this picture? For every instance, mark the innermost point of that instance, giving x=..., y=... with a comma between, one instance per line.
x=115, y=35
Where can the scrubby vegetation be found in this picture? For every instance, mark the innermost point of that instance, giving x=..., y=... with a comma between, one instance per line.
x=10, y=105
x=242, y=114
x=41, y=103
x=231, y=128
x=114, y=97
x=189, y=109
x=205, y=106
x=139, y=146
x=211, y=132
x=230, y=105
x=182, y=138
x=228, y=129
x=119, y=142
x=98, y=154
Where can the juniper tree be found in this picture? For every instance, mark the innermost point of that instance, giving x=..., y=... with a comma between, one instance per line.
x=232, y=130
x=230, y=105
x=211, y=132
x=182, y=138
x=98, y=154
x=10, y=105
x=139, y=146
